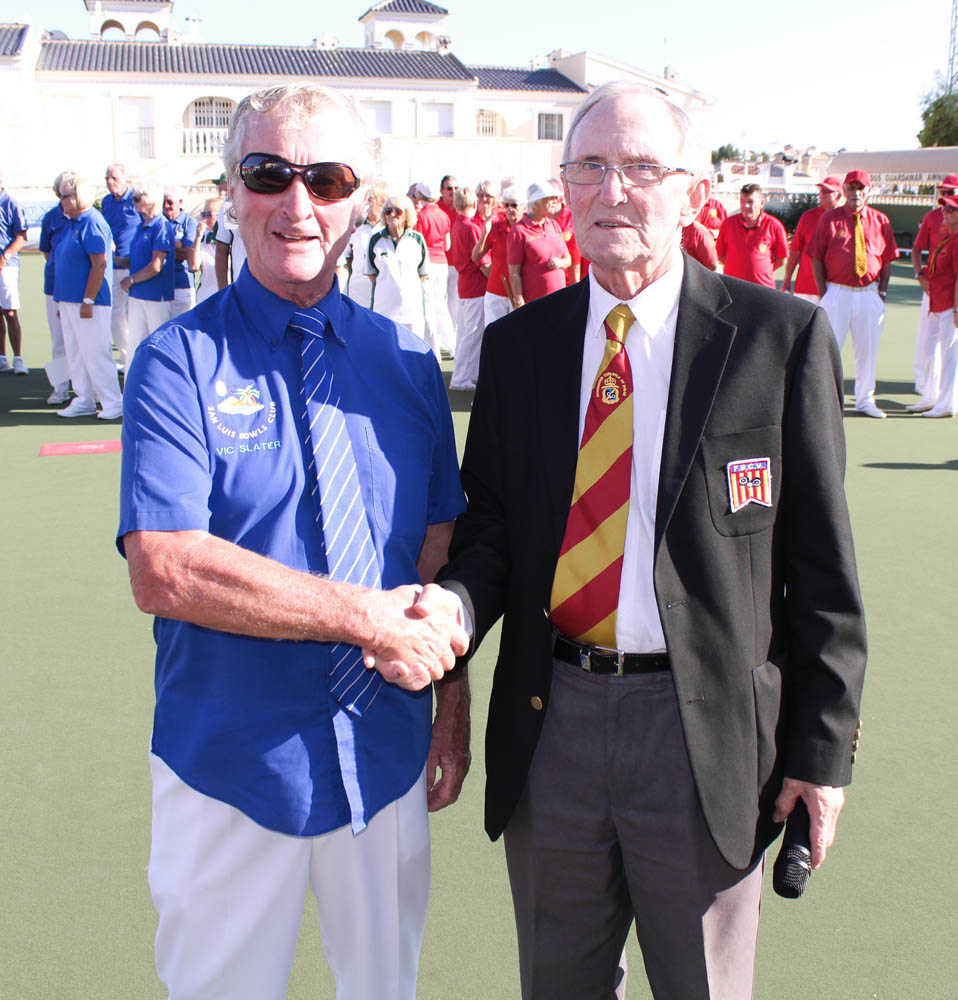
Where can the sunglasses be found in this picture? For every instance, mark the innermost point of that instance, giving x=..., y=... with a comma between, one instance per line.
x=510, y=204
x=267, y=174
x=393, y=211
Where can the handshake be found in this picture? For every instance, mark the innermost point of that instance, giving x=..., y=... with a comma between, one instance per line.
x=415, y=635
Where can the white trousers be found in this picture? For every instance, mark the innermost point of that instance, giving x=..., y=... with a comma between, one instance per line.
x=495, y=307
x=145, y=316
x=808, y=297
x=862, y=313
x=440, y=333
x=468, y=343
x=452, y=296
x=927, y=362
x=183, y=299
x=119, y=324
x=230, y=896
x=87, y=344
x=940, y=383
x=58, y=350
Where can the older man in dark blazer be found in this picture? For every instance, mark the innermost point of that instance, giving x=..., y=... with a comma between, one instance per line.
x=656, y=508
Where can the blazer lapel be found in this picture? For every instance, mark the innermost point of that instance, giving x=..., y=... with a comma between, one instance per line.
x=557, y=374
x=702, y=344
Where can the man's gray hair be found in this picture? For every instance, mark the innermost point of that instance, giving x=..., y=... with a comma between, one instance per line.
x=173, y=192
x=64, y=180
x=119, y=169
x=690, y=147
x=296, y=103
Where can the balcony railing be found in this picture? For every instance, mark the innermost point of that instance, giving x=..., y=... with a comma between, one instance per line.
x=203, y=141
x=137, y=143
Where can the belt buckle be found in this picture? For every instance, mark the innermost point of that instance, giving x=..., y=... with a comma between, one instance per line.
x=585, y=659
x=620, y=661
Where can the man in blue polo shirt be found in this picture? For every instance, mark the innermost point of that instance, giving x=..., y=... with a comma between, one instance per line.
x=184, y=233
x=289, y=482
x=13, y=234
x=123, y=219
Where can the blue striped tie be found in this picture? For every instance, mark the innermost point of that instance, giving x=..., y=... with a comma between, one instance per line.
x=340, y=514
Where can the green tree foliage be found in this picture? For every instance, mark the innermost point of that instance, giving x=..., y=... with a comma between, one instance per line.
x=939, y=120
x=726, y=152
x=790, y=210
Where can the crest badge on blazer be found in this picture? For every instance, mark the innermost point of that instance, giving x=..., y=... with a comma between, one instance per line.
x=749, y=481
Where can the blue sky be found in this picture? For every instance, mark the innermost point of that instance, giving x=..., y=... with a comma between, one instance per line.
x=780, y=72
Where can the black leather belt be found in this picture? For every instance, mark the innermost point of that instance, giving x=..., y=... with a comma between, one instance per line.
x=602, y=660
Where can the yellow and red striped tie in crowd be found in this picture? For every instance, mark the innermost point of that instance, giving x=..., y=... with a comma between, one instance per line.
x=585, y=591
x=861, y=254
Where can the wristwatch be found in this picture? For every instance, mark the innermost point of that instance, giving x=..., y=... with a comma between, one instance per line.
x=88, y=302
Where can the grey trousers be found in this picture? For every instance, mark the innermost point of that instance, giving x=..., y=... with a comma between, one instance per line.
x=609, y=831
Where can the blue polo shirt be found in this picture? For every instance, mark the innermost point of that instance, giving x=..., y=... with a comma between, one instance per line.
x=157, y=234
x=87, y=234
x=13, y=222
x=53, y=227
x=212, y=441
x=123, y=219
x=184, y=231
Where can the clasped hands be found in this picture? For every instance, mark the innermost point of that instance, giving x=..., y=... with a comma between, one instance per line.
x=416, y=635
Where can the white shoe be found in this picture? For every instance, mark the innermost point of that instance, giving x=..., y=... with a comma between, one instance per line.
x=934, y=413
x=871, y=410
x=4, y=364
x=110, y=412
x=56, y=397
x=920, y=407
x=78, y=408
x=19, y=368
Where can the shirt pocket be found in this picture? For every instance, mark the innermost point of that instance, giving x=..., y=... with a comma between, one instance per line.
x=743, y=476
x=398, y=478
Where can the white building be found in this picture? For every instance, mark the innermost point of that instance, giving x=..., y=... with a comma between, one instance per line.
x=140, y=92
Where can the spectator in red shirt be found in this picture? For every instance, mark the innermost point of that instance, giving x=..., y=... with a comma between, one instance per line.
x=829, y=196
x=697, y=242
x=711, y=215
x=930, y=234
x=941, y=277
x=563, y=216
x=853, y=285
x=448, y=187
x=537, y=253
x=498, y=300
x=433, y=223
x=752, y=245
x=472, y=275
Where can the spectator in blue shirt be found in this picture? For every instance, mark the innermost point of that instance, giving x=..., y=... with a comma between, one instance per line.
x=120, y=212
x=53, y=227
x=268, y=432
x=13, y=234
x=83, y=290
x=151, y=281
x=186, y=253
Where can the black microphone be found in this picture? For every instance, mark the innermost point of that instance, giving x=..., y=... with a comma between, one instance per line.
x=793, y=866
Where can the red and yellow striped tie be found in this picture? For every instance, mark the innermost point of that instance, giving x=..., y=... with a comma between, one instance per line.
x=861, y=254
x=585, y=591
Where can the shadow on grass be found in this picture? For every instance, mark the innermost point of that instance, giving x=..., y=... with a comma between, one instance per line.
x=950, y=466
x=460, y=400
x=23, y=403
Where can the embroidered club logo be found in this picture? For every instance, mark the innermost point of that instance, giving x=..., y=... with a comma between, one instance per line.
x=241, y=400
x=610, y=388
x=763, y=248
x=749, y=481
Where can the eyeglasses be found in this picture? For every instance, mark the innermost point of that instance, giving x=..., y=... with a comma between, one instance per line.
x=630, y=174
x=137, y=197
x=510, y=204
x=267, y=174
x=393, y=211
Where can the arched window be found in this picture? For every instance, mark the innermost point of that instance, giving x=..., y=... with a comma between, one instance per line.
x=112, y=31
x=146, y=31
x=490, y=124
x=396, y=38
x=205, y=123
x=426, y=40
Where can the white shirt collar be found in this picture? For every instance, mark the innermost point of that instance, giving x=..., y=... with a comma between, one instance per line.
x=653, y=308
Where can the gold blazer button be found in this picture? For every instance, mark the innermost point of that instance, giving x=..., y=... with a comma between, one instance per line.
x=536, y=702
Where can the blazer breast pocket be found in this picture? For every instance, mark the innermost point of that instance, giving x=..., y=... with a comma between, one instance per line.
x=743, y=475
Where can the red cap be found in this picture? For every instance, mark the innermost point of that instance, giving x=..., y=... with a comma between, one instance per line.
x=832, y=182
x=858, y=176
x=951, y=181
x=951, y=202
